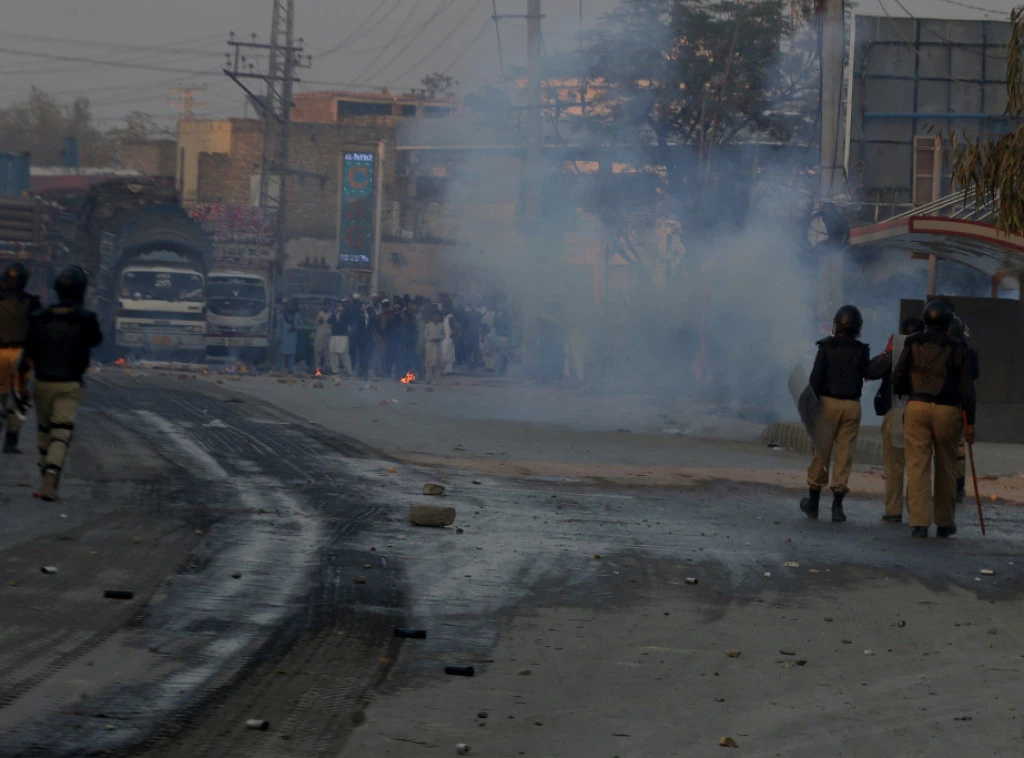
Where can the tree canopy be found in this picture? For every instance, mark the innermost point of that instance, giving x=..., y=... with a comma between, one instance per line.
x=991, y=168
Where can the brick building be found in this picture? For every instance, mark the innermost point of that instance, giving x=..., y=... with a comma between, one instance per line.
x=219, y=162
x=157, y=157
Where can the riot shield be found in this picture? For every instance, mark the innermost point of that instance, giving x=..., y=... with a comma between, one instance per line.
x=809, y=408
x=899, y=402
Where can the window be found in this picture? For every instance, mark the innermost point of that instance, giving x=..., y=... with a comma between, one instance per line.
x=347, y=108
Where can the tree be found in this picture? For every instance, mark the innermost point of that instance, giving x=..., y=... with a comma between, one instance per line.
x=40, y=123
x=992, y=168
x=681, y=78
x=437, y=85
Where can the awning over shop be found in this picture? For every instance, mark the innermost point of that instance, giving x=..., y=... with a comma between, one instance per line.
x=953, y=228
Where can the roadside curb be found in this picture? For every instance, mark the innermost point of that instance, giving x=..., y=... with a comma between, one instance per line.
x=794, y=437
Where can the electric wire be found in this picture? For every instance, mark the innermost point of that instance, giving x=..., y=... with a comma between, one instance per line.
x=439, y=45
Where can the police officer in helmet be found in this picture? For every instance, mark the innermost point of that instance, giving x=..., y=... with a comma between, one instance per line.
x=57, y=349
x=960, y=330
x=935, y=372
x=837, y=379
x=16, y=306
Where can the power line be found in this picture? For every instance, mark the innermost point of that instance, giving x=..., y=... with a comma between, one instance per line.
x=98, y=62
x=359, y=29
x=435, y=48
x=976, y=7
x=472, y=42
x=401, y=28
x=440, y=11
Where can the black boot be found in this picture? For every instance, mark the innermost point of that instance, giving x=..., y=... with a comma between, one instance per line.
x=809, y=504
x=961, y=492
x=838, y=515
x=11, y=443
x=943, y=532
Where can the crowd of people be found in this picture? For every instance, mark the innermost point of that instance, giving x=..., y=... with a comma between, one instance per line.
x=389, y=338
x=927, y=403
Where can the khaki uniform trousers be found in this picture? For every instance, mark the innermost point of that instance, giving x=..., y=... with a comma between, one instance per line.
x=56, y=407
x=930, y=427
x=10, y=379
x=961, y=459
x=842, y=419
x=894, y=463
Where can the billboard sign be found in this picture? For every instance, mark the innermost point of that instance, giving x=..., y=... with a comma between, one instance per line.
x=358, y=206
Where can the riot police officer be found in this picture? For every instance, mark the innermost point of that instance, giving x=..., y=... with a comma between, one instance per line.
x=838, y=380
x=960, y=330
x=16, y=306
x=893, y=459
x=934, y=371
x=57, y=349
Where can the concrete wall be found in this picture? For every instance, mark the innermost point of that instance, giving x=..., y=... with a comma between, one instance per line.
x=997, y=333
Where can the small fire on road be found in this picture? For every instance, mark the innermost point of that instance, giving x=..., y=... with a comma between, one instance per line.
x=318, y=373
x=409, y=378
x=121, y=362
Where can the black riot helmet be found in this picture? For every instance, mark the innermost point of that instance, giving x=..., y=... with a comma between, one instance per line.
x=15, y=277
x=938, y=315
x=847, y=321
x=911, y=325
x=71, y=284
x=959, y=328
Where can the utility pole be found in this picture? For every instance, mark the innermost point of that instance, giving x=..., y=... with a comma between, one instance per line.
x=831, y=22
x=187, y=103
x=275, y=108
x=533, y=112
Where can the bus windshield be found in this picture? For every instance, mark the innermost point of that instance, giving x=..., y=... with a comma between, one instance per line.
x=236, y=290
x=168, y=286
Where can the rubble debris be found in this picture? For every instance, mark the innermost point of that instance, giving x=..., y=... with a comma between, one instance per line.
x=869, y=652
x=434, y=489
x=987, y=572
x=482, y=715
x=49, y=569
x=901, y=623
x=14, y=583
x=118, y=594
x=787, y=652
x=411, y=634
x=598, y=556
x=431, y=515
x=993, y=630
x=236, y=574
x=728, y=742
x=261, y=725
x=459, y=670
x=800, y=661
x=462, y=748
x=791, y=564
x=359, y=579
x=136, y=540
x=692, y=580
x=526, y=672
x=734, y=653
x=459, y=530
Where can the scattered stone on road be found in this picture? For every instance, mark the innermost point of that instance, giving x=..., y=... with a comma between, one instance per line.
x=434, y=489
x=49, y=569
x=236, y=574
x=987, y=572
x=258, y=724
x=431, y=515
x=734, y=653
x=728, y=742
x=692, y=580
x=462, y=748
x=359, y=579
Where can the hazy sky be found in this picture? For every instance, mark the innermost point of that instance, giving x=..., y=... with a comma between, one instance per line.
x=126, y=54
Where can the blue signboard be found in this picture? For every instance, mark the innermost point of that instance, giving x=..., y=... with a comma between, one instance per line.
x=358, y=196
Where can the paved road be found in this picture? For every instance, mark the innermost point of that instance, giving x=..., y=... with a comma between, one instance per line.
x=175, y=486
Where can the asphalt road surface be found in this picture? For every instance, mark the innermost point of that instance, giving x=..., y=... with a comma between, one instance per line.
x=271, y=560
